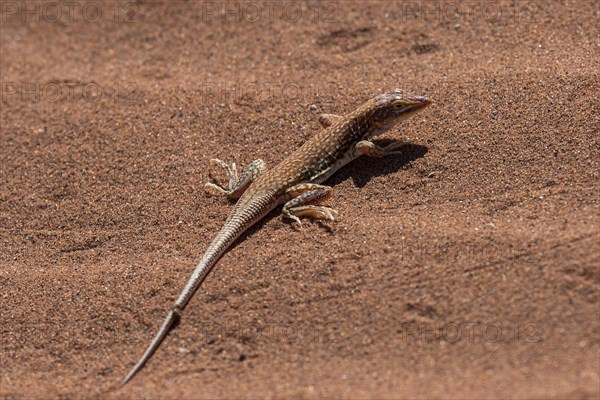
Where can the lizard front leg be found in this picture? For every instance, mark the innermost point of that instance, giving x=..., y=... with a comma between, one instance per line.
x=370, y=149
x=300, y=205
x=237, y=185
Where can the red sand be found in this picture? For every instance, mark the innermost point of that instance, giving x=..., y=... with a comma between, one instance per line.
x=467, y=268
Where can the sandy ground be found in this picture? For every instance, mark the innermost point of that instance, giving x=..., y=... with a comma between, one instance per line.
x=466, y=268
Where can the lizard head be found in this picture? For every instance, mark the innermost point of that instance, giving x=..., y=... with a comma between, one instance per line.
x=393, y=107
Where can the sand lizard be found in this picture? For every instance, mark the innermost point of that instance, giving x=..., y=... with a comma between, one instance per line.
x=295, y=183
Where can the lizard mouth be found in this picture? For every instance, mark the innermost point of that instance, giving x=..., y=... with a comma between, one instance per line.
x=418, y=103
x=415, y=104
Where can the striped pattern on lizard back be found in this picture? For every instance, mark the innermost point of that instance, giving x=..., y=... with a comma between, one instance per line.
x=316, y=156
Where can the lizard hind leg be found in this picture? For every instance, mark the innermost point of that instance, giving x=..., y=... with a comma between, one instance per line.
x=305, y=196
x=237, y=185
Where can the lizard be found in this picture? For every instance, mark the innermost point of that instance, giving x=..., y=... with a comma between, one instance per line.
x=295, y=183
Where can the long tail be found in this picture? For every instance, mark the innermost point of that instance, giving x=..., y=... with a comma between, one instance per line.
x=243, y=217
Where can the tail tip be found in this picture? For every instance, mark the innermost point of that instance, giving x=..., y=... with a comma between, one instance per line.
x=128, y=377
